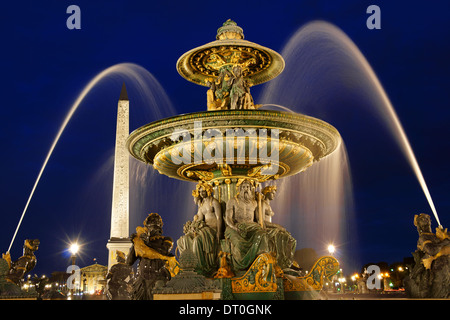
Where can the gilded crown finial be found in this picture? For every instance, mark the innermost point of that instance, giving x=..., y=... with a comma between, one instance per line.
x=220, y=58
x=230, y=30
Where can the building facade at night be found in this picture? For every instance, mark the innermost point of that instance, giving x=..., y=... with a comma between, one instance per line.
x=93, y=278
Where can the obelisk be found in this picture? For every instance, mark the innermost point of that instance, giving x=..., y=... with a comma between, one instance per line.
x=119, y=238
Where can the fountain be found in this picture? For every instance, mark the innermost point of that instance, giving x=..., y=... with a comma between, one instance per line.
x=236, y=151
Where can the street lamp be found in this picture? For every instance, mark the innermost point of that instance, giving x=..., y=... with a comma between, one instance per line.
x=74, y=247
x=331, y=249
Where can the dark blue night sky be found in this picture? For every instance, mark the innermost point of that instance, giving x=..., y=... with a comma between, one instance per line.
x=45, y=66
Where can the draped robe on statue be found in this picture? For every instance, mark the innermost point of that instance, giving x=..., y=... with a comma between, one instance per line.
x=247, y=238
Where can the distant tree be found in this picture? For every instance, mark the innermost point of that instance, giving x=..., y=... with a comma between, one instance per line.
x=384, y=267
x=397, y=272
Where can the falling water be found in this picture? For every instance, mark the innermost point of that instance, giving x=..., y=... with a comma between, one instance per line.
x=316, y=206
x=151, y=191
x=141, y=80
x=322, y=63
x=271, y=106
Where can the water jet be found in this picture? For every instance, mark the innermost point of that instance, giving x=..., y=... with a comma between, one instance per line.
x=319, y=48
x=141, y=79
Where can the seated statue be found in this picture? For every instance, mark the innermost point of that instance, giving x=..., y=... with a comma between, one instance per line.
x=280, y=240
x=430, y=275
x=230, y=90
x=222, y=88
x=245, y=235
x=240, y=97
x=118, y=279
x=202, y=235
x=211, y=102
x=155, y=260
x=26, y=263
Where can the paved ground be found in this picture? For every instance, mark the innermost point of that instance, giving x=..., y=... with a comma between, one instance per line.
x=367, y=296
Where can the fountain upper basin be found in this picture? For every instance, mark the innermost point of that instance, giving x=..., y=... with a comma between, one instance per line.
x=290, y=141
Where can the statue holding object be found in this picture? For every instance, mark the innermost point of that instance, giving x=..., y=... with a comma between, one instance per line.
x=246, y=236
x=230, y=90
x=430, y=275
x=281, y=241
x=13, y=272
x=118, y=279
x=26, y=263
x=152, y=249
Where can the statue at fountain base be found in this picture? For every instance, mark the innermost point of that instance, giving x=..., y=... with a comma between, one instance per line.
x=429, y=277
x=156, y=263
x=118, y=277
x=13, y=272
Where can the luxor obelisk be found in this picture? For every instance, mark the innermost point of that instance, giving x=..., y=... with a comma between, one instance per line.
x=119, y=238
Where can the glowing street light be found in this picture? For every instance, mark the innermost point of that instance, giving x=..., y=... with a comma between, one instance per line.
x=74, y=247
x=331, y=249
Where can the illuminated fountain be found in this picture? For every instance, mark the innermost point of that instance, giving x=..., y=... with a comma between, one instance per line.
x=237, y=140
x=236, y=151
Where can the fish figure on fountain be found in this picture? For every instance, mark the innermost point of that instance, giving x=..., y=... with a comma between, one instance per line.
x=12, y=272
x=232, y=234
x=430, y=275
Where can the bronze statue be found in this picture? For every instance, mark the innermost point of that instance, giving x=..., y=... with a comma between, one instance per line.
x=118, y=277
x=203, y=233
x=155, y=260
x=209, y=209
x=222, y=88
x=40, y=285
x=245, y=235
x=240, y=97
x=26, y=263
x=430, y=275
x=281, y=241
x=211, y=102
x=230, y=90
